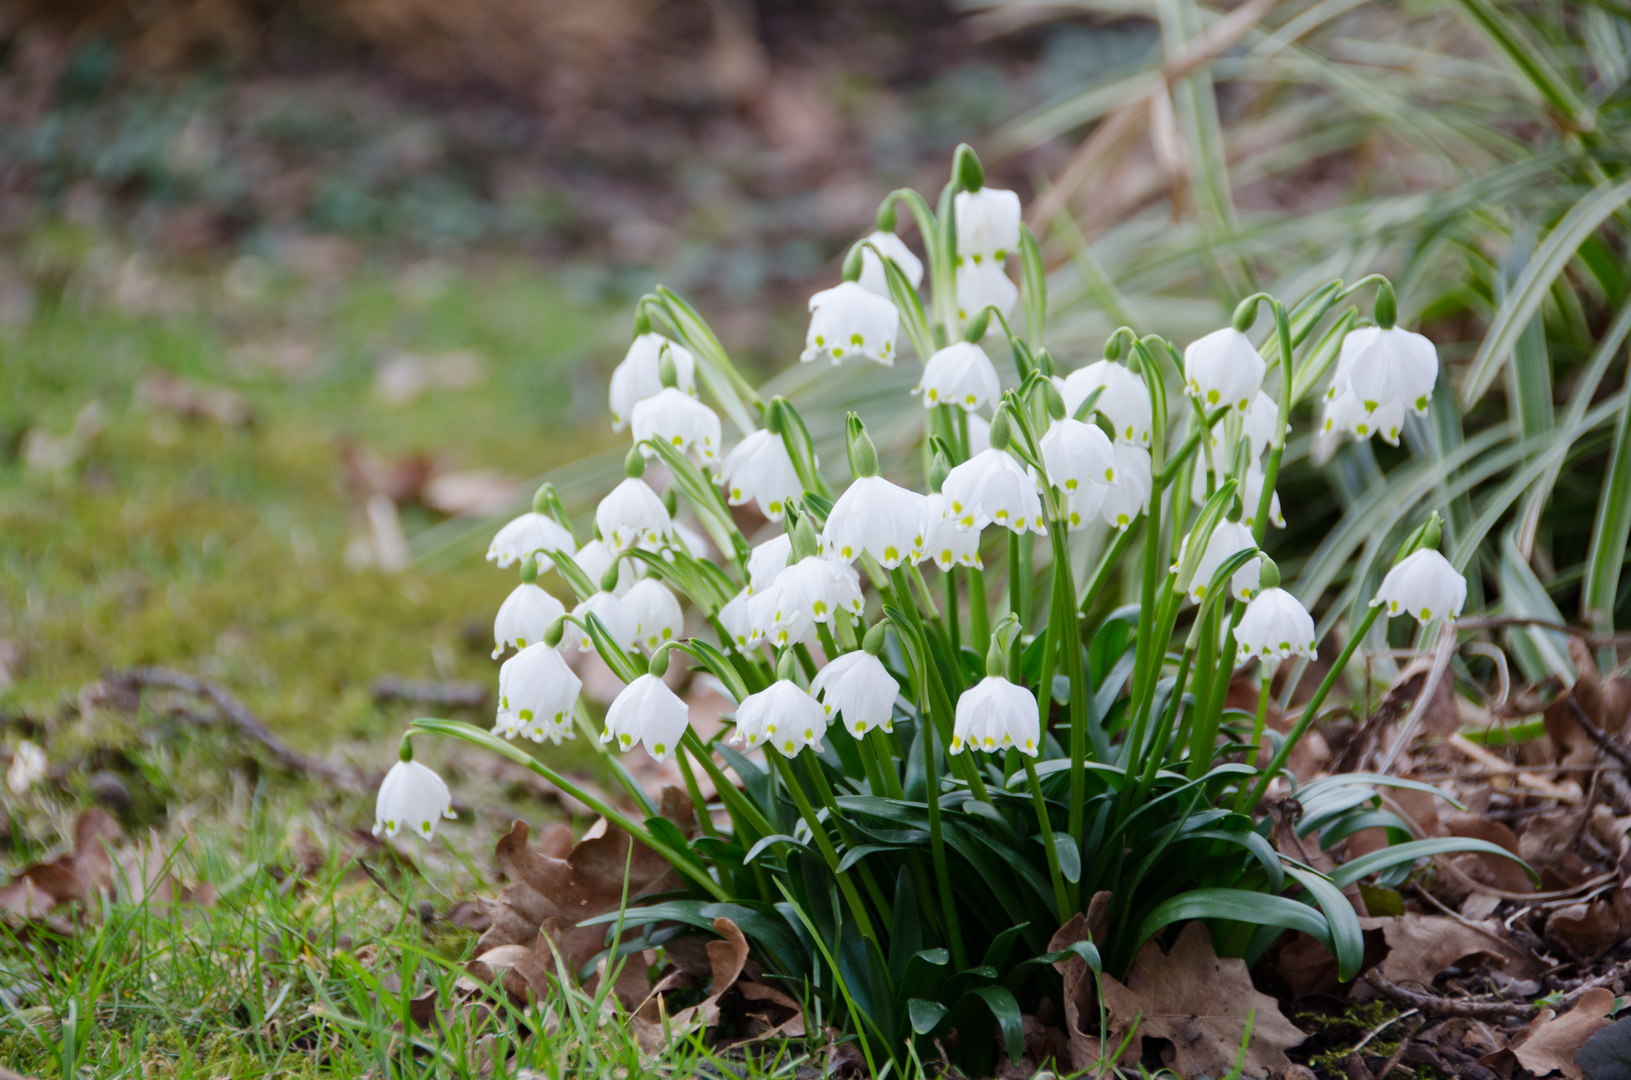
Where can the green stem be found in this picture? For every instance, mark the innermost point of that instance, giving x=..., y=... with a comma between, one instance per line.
x=877, y=747
x=824, y=792
x=1014, y=603
x=1257, y=731
x=979, y=611
x=823, y=842
x=941, y=708
x=1061, y=896
x=704, y=819
x=829, y=647
x=937, y=847
x=949, y=580
x=738, y=804
x=1107, y=566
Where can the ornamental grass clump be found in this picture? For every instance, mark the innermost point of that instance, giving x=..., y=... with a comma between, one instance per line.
x=946, y=744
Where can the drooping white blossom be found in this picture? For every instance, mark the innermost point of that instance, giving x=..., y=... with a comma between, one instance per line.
x=536, y=694
x=895, y=250
x=1249, y=498
x=850, y=321
x=1275, y=627
x=960, y=374
x=1224, y=368
x=1424, y=586
x=1343, y=413
x=529, y=534
x=523, y=618
x=759, y=469
x=646, y=711
x=995, y=714
x=782, y=716
x=875, y=517
x=681, y=421
x=656, y=611
x=943, y=541
x=860, y=689
x=1380, y=366
x=639, y=376
x=816, y=588
x=985, y=284
x=1259, y=423
x=1129, y=496
x=742, y=620
x=1076, y=454
x=632, y=514
x=1125, y=401
x=987, y=224
x=767, y=561
x=993, y=488
x=613, y=614
x=413, y=797
x=1227, y=538
x=594, y=558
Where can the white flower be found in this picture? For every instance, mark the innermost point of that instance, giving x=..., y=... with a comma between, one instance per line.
x=1275, y=627
x=1224, y=368
x=683, y=422
x=28, y=767
x=894, y=248
x=656, y=611
x=536, y=692
x=1380, y=366
x=1129, y=496
x=860, y=689
x=987, y=224
x=782, y=716
x=529, y=534
x=849, y=321
x=639, y=376
x=1249, y=498
x=1076, y=454
x=1125, y=401
x=1425, y=586
x=632, y=514
x=648, y=712
x=767, y=561
x=943, y=541
x=979, y=433
x=595, y=557
x=982, y=285
x=523, y=617
x=741, y=619
x=994, y=714
x=814, y=590
x=760, y=470
x=960, y=374
x=412, y=796
x=1259, y=423
x=1343, y=412
x=693, y=541
x=991, y=487
x=1227, y=538
x=614, y=615
x=875, y=517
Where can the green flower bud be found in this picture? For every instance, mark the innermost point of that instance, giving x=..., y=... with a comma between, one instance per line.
x=642, y=321
x=667, y=373
x=1386, y=309
x=609, y=576
x=1002, y=432
x=555, y=631
x=886, y=215
x=658, y=664
x=939, y=469
x=804, y=539
x=1246, y=314
x=773, y=416
x=852, y=263
x=785, y=665
x=529, y=570
x=1268, y=574
x=1112, y=346
x=974, y=330
x=404, y=749
x=873, y=642
x=634, y=465
x=863, y=456
x=1055, y=400
x=543, y=499
x=967, y=172
x=1044, y=362
x=1433, y=532
x=671, y=499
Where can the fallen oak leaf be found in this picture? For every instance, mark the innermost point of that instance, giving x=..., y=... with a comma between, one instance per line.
x=1553, y=1041
x=1419, y=947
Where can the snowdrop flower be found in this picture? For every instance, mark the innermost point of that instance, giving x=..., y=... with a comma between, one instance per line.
x=1224, y=368
x=847, y=320
x=994, y=714
x=1380, y=366
x=760, y=470
x=639, y=376
x=943, y=541
x=647, y=712
x=656, y=611
x=987, y=224
x=523, y=617
x=529, y=534
x=873, y=278
x=1343, y=412
x=741, y=620
x=960, y=374
x=875, y=517
x=616, y=616
x=782, y=716
x=1226, y=539
x=983, y=285
x=1076, y=454
x=767, y=561
x=679, y=420
x=631, y=514
x=1129, y=496
x=413, y=796
x=992, y=487
x=594, y=558
x=1125, y=401
x=1425, y=586
x=1275, y=627
x=860, y=689
x=817, y=588
x=536, y=691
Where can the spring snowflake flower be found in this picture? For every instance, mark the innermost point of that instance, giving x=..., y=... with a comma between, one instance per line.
x=759, y=469
x=413, y=796
x=1125, y=401
x=960, y=374
x=1275, y=627
x=536, y=693
x=693, y=542
x=742, y=620
x=877, y=518
x=1249, y=498
x=1127, y=498
x=1224, y=368
x=767, y=561
x=648, y=712
x=979, y=433
x=846, y=321
x=595, y=557
x=682, y=422
x=1425, y=586
x=782, y=716
x=816, y=588
x=1344, y=413
x=860, y=689
x=1076, y=454
x=1380, y=366
x=995, y=714
x=943, y=541
x=993, y=488
x=1259, y=423
x=873, y=278
x=982, y=285
x=616, y=616
x=656, y=611
x=1226, y=539
x=530, y=534
x=987, y=224
x=523, y=617
x=639, y=376
x=632, y=514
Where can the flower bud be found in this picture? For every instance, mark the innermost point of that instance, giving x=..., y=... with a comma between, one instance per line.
x=773, y=416
x=1433, y=532
x=786, y=665
x=543, y=499
x=1112, y=346
x=873, y=642
x=853, y=262
x=974, y=330
x=634, y=466
x=804, y=538
x=1268, y=574
x=967, y=171
x=1055, y=400
x=642, y=321
x=939, y=469
x=1001, y=430
x=671, y=499
x=609, y=576
x=667, y=372
x=886, y=215
x=863, y=456
x=658, y=665
x=529, y=570
x=556, y=631
x=1245, y=314
x=404, y=749
x=1044, y=362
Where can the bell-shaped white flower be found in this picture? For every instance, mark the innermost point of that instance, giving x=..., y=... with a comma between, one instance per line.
x=1224, y=368
x=817, y=588
x=639, y=376
x=614, y=615
x=681, y=421
x=779, y=623
x=413, y=797
x=1227, y=538
x=961, y=375
x=1275, y=627
x=1129, y=496
x=691, y=540
x=656, y=611
x=849, y=321
x=1344, y=413
x=1424, y=586
x=1125, y=401
x=943, y=541
x=875, y=517
x=632, y=514
x=523, y=618
x=1380, y=366
x=994, y=714
x=782, y=716
x=742, y=620
x=647, y=712
x=985, y=284
x=759, y=469
x=860, y=689
x=1258, y=424
x=993, y=488
x=595, y=557
x=1076, y=454
x=767, y=561
x=1249, y=497
x=987, y=224
x=529, y=534
x=536, y=694
x=895, y=250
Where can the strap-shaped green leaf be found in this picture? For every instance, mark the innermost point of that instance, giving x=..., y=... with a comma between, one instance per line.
x=1365, y=865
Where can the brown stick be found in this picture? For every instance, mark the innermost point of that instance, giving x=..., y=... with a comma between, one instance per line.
x=1434, y=1005
x=1598, y=736
x=1499, y=622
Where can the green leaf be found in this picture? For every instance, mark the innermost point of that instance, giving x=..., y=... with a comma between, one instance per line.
x=925, y=1014
x=1000, y=1000
x=1609, y=533
x=1366, y=865
x=1347, y=939
x=1259, y=909
x=1070, y=857
x=1034, y=286
x=913, y=319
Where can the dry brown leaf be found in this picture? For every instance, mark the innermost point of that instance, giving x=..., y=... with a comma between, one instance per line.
x=96, y=866
x=1553, y=1040
x=1084, y=1050
x=1199, y=1003
x=1588, y=930
x=1488, y=870
x=1421, y=946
